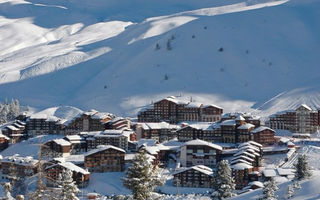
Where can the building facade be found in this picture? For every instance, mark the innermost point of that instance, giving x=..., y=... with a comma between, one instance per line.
x=301, y=120
x=195, y=176
x=173, y=110
x=105, y=158
x=199, y=152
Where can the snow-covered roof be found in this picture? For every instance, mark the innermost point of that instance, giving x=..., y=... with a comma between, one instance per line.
x=261, y=128
x=198, y=142
x=62, y=142
x=244, y=157
x=20, y=160
x=103, y=148
x=211, y=105
x=243, y=152
x=305, y=106
x=174, y=100
x=193, y=105
x=246, y=126
x=100, y=115
x=201, y=168
x=153, y=150
x=13, y=128
x=75, y=159
x=3, y=136
x=269, y=172
x=147, y=142
x=285, y=172
x=229, y=122
x=240, y=161
x=201, y=126
x=38, y=116
x=252, y=143
x=241, y=166
x=249, y=148
x=70, y=166
x=73, y=137
x=52, y=119
x=240, y=118
x=256, y=183
x=160, y=125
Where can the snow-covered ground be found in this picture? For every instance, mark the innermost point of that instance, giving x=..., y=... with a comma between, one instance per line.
x=102, y=53
x=28, y=147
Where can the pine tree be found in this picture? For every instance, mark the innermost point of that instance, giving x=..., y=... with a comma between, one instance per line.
x=69, y=190
x=290, y=192
x=268, y=190
x=7, y=190
x=223, y=182
x=302, y=168
x=13, y=110
x=4, y=113
x=142, y=178
x=296, y=185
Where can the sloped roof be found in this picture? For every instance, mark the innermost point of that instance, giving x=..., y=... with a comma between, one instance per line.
x=70, y=166
x=201, y=142
x=241, y=166
x=246, y=126
x=261, y=128
x=201, y=168
x=103, y=148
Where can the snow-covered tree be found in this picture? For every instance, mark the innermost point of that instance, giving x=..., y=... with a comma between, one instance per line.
x=69, y=190
x=142, y=178
x=14, y=109
x=9, y=112
x=269, y=190
x=302, y=168
x=7, y=191
x=290, y=192
x=4, y=113
x=223, y=182
x=296, y=185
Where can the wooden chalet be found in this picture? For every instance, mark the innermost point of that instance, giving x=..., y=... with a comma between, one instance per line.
x=105, y=158
x=263, y=135
x=195, y=176
x=199, y=152
x=18, y=166
x=79, y=175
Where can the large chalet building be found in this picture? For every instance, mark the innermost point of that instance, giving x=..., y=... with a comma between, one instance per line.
x=160, y=131
x=18, y=166
x=199, y=152
x=173, y=110
x=105, y=158
x=41, y=124
x=195, y=176
x=91, y=120
x=79, y=175
x=237, y=129
x=301, y=120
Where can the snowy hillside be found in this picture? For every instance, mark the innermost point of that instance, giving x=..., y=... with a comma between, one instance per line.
x=103, y=54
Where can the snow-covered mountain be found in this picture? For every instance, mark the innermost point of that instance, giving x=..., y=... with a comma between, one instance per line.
x=117, y=56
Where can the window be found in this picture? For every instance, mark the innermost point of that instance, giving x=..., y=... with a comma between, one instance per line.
x=200, y=151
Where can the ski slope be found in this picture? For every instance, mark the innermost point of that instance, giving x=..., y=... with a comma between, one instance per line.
x=102, y=54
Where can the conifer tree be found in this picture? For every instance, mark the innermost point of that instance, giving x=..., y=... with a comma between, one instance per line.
x=290, y=192
x=223, y=182
x=69, y=190
x=7, y=191
x=269, y=190
x=302, y=168
x=142, y=178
